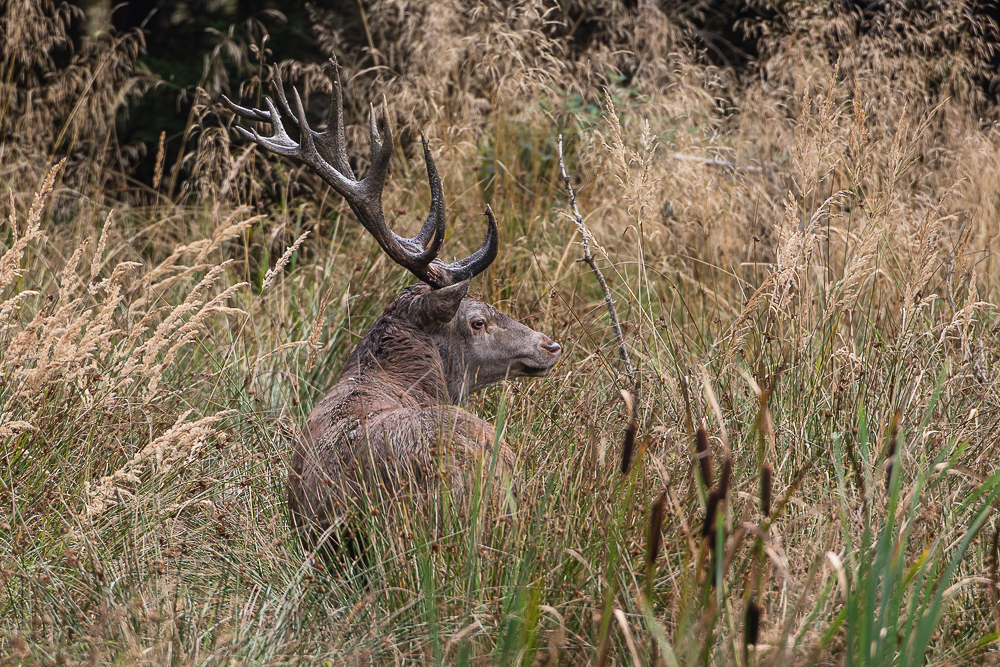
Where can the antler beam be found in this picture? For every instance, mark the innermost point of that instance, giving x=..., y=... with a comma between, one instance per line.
x=326, y=154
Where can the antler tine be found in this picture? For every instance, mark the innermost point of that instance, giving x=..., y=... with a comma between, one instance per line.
x=279, y=142
x=381, y=148
x=434, y=226
x=251, y=114
x=478, y=261
x=279, y=91
x=331, y=142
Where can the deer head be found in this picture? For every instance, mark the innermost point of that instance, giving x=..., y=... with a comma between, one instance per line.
x=434, y=330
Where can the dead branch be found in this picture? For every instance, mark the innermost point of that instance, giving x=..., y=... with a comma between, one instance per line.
x=588, y=257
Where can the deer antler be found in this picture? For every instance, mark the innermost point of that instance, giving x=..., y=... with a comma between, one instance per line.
x=325, y=153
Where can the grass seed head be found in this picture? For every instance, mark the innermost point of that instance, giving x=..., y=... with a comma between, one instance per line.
x=655, y=529
x=704, y=451
x=724, y=479
x=751, y=625
x=766, y=485
x=628, y=447
x=711, y=512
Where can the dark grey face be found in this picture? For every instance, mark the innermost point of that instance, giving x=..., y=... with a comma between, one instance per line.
x=479, y=345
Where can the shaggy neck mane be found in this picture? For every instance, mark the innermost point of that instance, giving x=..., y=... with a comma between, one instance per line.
x=397, y=354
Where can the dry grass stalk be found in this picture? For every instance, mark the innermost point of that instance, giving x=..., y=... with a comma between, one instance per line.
x=160, y=155
x=102, y=243
x=317, y=328
x=11, y=260
x=282, y=262
x=890, y=448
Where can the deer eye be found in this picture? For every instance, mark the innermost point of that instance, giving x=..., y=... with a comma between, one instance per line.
x=478, y=324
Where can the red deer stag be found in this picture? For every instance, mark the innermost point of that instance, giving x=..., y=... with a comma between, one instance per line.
x=394, y=419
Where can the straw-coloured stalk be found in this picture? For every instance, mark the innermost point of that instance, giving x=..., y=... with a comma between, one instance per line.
x=282, y=262
x=704, y=451
x=312, y=343
x=10, y=261
x=890, y=455
x=102, y=243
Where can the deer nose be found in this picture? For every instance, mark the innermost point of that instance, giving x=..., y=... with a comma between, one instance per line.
x=551, y=346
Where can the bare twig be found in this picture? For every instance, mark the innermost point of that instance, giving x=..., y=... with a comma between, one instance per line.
x=589, y=259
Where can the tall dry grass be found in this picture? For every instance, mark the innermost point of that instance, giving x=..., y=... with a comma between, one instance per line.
x=803, y=261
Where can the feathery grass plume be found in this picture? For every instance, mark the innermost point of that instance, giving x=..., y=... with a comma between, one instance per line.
x=98, y=260
x=158, y=168
x=10, y=427
x=766, y=484
x=178, y=446
x=312, y=343
x=10, y=261
x=282, y=261
x=704, y=453
x=890, y=453
x=168, y=273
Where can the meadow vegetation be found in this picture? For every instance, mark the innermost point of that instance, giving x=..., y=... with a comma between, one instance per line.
x=802, y=253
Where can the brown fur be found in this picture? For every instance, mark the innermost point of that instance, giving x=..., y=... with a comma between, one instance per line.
x=394, y=424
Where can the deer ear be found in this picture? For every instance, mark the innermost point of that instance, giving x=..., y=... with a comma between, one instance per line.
x=439, y=305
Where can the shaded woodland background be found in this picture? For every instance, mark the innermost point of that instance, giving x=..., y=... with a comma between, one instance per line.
x=737, y=35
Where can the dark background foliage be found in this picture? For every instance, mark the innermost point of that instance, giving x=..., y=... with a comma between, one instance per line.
x=735, y=34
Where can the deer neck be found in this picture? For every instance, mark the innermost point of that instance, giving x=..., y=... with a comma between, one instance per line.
x=400, y=362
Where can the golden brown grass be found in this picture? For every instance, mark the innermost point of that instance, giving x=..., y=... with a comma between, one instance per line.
x=804, y=263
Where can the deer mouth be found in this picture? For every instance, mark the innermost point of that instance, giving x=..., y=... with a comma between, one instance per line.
x=534, y=371
x=532, y=368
